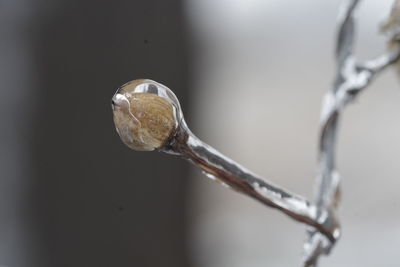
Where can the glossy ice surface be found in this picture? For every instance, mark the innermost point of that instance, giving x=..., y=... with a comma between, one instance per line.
x=144, y=114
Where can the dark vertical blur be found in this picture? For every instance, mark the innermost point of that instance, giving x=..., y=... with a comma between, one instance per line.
x=89, y=200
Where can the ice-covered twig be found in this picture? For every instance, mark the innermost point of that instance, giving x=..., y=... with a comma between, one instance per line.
x=148, y=116
x=351, y=78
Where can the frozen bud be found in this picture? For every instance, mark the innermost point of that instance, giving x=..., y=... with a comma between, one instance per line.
x=145, y=114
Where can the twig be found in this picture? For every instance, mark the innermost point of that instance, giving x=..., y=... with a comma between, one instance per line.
x=133, y=115
x=351, y=79
x=226, y=171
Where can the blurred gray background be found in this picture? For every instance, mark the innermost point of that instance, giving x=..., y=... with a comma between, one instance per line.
x=261, y=69
x=71, y=194
x=250, y=75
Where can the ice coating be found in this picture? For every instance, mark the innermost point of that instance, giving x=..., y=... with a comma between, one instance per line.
x=145, y=114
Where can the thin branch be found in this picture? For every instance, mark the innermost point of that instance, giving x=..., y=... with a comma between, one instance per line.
x=351, y=79
x=345, y=40
x=229, y=173
x=378, y=64
x=142, y=115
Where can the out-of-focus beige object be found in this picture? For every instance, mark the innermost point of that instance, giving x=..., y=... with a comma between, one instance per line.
x=392, y=26
x=392, y=29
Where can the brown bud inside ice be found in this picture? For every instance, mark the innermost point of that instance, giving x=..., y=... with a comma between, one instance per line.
x=144, y=121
